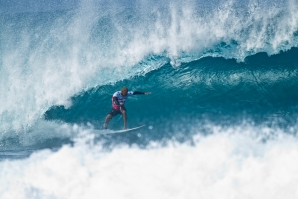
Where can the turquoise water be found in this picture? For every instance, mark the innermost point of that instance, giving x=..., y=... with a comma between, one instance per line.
x=213, y=90
x=223, y=108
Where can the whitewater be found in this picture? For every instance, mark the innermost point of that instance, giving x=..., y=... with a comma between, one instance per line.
x=221, y=121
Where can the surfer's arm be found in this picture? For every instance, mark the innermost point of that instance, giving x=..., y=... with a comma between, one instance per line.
x=141, y=93
x=115, y=100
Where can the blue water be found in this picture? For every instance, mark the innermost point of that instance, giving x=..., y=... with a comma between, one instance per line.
x=223, y=77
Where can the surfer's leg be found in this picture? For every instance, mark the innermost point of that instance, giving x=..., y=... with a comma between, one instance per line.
x=123, y=111
x=109, y=116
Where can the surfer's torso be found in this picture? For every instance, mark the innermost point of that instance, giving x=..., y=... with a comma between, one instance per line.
x=119, y=100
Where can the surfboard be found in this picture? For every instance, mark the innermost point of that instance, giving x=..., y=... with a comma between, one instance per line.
x=129, y=130
x=120, y=131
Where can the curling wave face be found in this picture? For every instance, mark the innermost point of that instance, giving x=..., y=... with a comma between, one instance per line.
x=47, y=57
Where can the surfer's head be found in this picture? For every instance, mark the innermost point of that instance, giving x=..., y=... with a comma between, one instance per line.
x=124, y=91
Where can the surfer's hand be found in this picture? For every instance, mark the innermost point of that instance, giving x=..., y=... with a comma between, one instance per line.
x=147, y=93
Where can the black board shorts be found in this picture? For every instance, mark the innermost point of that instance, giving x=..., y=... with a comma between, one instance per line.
x=115, y=112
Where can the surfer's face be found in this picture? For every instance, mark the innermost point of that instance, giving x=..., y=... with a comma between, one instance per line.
x=124, y=92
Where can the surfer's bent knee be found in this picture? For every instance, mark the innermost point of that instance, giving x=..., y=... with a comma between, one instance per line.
x=123, y=112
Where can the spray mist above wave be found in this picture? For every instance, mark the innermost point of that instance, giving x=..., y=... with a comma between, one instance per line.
x=48, y=57
x=224, y=29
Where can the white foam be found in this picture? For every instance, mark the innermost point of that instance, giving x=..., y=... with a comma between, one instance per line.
x=231, y=163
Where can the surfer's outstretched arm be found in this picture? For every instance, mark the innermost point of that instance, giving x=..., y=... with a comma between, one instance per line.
x=141, y=93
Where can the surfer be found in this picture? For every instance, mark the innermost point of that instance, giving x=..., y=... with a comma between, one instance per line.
x=118, y=101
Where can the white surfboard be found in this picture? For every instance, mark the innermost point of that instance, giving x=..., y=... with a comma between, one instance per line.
x=120, y=131
x=129, y=130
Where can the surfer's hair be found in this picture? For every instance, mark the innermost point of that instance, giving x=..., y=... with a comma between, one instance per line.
x=124, y=88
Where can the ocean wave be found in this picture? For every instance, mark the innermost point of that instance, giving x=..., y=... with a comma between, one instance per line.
x=47, y=57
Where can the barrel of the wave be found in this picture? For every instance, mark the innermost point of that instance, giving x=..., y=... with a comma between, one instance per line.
x=118, y=101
